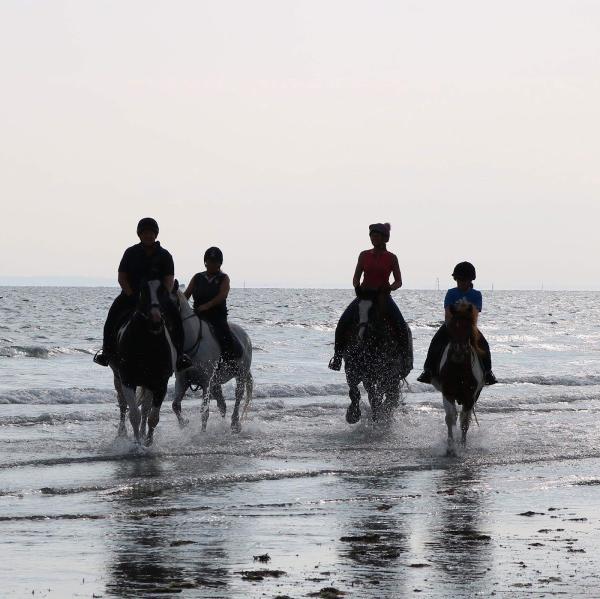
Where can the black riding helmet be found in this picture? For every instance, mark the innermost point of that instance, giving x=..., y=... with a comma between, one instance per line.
x=147, y=224
x=213, y=253
x=464, y=271
x=383, y=228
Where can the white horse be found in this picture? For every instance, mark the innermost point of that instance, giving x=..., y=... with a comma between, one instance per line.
x=461, y=376
x=204, y=350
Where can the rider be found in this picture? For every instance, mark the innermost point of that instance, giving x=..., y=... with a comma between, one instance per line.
x=464, y=275
x=142, y=262
x=209, y=290
x=377, y=265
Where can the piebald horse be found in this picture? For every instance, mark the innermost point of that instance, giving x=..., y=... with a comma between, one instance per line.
x=144, y=361
x=372, y=356
x=461, y=376
x=207, y=371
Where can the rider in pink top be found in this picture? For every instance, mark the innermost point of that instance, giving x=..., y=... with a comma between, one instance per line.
x=375, y=266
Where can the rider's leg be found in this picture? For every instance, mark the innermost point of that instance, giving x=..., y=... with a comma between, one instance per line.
x=118, y=312
x=486, y=360
x=341, y=332
x=434, y=354
x=399, y=324
x=225, y=338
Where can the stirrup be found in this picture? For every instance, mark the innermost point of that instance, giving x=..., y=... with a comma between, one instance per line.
x=102, y=358
x=336, y=362
x=425, y=377
x=490, y=378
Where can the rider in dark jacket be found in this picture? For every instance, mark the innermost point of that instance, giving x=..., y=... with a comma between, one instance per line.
x=376, y=265
x=464, y=274
x=142, y=262
x=209, y=290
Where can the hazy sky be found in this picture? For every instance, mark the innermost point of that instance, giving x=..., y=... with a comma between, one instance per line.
x=279, y=130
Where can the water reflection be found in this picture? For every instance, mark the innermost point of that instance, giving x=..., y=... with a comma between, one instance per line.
x=150, y=552
x=375, y=536
x=459, y=547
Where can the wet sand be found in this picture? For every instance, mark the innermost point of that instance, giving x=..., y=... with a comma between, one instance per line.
x=333, y=511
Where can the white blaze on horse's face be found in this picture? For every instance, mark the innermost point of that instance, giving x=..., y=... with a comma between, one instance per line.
x=363, y=316
x=154, y=305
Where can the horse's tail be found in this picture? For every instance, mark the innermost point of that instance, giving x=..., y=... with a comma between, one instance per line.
x=249, y=390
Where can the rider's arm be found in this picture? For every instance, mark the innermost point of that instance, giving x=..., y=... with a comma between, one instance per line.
x=220, y=298
x=168, y=282
x=123, y=279
x=357, y=272
x=397, y=276
x=189, y=288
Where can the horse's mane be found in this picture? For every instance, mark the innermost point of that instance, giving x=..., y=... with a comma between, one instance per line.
x=463, y=310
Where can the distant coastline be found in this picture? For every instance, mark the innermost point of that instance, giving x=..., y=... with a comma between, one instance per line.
x=102, y=282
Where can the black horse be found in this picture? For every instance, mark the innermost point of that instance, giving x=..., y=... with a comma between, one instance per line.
x=144, y=361
x=374, y=356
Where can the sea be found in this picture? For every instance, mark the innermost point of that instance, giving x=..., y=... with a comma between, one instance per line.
x=300, y=503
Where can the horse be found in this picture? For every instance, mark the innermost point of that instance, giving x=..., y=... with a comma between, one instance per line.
x=372, y=356
x=144, y=361
x=461, y=376
x=208, y=372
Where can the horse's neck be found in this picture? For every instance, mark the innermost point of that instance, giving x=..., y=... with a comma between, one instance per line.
x=184, y=306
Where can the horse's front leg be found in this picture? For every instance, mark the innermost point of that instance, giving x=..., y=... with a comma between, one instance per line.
x=240, y=385
x=375, y=399
x=353, y=411
x=216, y=391
x=134, y=411
x=465, y=421
x=154, y=413
x=392, y=396
x=144, y=401
x=181, y=385
x=451, y=416
x=205, y=408
x=122, y=430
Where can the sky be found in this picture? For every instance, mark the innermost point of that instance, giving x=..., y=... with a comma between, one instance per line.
x=279, y=130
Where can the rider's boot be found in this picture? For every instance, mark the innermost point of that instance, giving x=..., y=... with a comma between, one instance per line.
x=490, y=378
x=102, y=357
x=336, y=362
x=425, y=377
x=183, y=362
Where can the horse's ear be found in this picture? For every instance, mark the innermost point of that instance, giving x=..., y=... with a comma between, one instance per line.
x=175, y=286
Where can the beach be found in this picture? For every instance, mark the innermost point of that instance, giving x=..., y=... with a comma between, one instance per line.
x=300, y=503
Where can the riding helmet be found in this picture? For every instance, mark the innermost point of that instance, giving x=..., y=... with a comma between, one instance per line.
x=213, y=253
x=383, y=228
x=465, y=271
x=147, y=223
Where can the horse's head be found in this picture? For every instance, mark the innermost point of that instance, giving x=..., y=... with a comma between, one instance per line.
x=148, y=305
x=462, y=329
x=462, y=326
x=364, y=313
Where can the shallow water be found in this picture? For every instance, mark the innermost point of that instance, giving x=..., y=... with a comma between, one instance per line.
x=373, y=511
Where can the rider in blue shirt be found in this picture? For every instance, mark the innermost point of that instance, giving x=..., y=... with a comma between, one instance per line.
x=464, y=275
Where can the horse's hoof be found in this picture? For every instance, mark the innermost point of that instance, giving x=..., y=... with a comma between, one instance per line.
x=236, y=427
x=353, y=414
x=148, y=441
x=183, y=422
x=122, y=432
